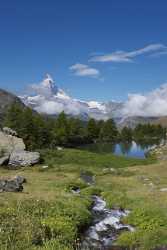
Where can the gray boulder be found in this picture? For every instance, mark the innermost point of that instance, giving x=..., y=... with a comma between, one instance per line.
x=12, y=185
x=9, y=131
x=23, y=159
x=9, y=143
x=13, y=150
x=20, y=179
x=4, y=160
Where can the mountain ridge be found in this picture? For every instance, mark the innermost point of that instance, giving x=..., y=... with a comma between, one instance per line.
x=6, y=100
x=50, y=99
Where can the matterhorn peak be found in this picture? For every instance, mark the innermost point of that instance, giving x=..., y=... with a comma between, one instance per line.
x=47, y=98
x=49, y=85
x=48, y=80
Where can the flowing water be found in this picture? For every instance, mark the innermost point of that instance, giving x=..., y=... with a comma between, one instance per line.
x=106, y=226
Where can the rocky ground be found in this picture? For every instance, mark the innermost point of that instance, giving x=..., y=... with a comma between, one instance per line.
x=159, y=152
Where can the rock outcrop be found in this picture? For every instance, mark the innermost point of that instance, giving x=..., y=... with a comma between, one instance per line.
x=12, y=185
x=10, y=143
x=4, y=160
x=23, y=159
x=159, y=152
x=12, y=150
x=9, y=131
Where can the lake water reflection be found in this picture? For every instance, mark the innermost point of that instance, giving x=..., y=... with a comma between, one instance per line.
x=133, y=149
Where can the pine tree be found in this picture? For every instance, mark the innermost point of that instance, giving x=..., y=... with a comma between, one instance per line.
x=109, y=131
x=92, y=130
x=62, y=130
x=13, y=117
x=126, y=134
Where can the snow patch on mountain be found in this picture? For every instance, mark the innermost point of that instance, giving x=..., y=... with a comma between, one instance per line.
x=47, y=98
x=97, y=105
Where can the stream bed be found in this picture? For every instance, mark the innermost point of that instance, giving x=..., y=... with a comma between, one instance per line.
x=105, y=228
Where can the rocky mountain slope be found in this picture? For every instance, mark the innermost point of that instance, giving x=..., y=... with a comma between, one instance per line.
x=6, y=100
x=132, y=121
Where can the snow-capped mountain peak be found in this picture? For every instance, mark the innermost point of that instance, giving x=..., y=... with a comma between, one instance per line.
x=97, y=105
x=48, y=85
x=48, y=81
x=48, y=98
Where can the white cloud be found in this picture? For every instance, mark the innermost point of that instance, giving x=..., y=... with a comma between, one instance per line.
x=52, y=100
x=123, y=56
x=159, y=53
x=45, y=88
x=84, y=70
x=49, y=107
x=151, y=104
x=46, y=97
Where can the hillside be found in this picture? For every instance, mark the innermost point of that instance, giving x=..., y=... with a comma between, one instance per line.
x=162, y=121
x=6, y=100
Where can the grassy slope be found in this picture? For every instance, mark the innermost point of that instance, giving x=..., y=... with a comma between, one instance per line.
x=78, y=159
x=51, y=210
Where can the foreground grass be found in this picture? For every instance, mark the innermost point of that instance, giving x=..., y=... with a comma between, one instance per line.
x=48, y=216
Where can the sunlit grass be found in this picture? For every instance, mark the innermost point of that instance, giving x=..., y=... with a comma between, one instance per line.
x=57, y=215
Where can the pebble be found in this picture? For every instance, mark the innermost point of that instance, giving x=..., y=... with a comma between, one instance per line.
x=44, y=167
x=163, y=189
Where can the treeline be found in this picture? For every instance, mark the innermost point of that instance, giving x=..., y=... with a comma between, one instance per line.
x=143, y=132
x=40, y=131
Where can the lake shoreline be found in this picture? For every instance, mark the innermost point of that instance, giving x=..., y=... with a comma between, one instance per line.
x=127, y=149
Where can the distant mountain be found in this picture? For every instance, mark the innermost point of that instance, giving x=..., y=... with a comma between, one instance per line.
x=50, y=100
x=47, y=98
x=6, y=100
x=161, y=120
x=132, y=121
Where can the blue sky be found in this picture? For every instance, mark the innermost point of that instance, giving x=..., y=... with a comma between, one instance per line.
x=94, y=49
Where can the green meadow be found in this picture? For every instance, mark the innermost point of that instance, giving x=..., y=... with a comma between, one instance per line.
x=47, y=215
